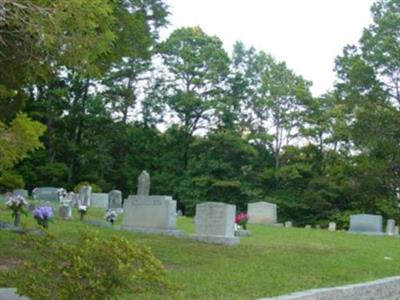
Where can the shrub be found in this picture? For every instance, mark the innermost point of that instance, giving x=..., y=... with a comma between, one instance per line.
x=10, y=181
x=95, y=187
x=91, y=268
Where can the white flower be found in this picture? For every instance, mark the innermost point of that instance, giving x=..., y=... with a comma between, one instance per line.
x=82, y=208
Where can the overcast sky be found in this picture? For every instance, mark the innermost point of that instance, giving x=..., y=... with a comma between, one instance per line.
x=306, y=34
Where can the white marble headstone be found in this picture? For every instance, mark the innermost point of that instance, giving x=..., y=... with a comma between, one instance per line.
x=215, y=223
x=262, y=213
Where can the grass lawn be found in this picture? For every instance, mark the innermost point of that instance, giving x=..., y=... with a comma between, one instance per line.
x=271, y=262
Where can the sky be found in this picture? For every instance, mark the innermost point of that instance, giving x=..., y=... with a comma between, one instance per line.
x=306, y=34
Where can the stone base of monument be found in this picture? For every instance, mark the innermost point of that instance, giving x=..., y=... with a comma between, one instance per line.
x=171, y=232
x=103, y=224
x=211, y=239
x=241, y=232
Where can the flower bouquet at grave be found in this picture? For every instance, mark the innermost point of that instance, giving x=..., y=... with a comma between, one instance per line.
x=18, y=206
x=43, y=215
x=82, y=209
x=241, y=219
x=111, y=216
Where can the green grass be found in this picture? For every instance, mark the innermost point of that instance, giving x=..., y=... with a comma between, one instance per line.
x=271, y=262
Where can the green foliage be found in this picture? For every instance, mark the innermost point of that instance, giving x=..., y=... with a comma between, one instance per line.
x=91, y=268
x=16, y=140
x=95, y=187
x=10, y=181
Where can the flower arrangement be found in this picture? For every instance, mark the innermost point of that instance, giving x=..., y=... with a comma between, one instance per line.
x=242, y=219
x=43, y=215
x=17, y=205
x=82, y=209
x=111, y=216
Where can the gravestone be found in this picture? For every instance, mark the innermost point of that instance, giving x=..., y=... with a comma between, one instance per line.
x=262, y=213
x=143, y=183
x=390, y=227
x=332, y=226
x=85, y=195
x=20, y=192
x=365, y=223
x=150, y=214
x=396, y=230
x=308, y=226
x=65, y=212
x=99, y=200
x=45, y=193
x=288, y=224
x=114, y=199
x=317, y=226
x=215, y=223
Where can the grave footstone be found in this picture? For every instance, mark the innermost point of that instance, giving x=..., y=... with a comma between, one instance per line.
x=288, y=224
x=114, y=199
x=150, y=214
x=215, y=223
x=99, y=200
x=390, y=227
x=332, y=226
x=262, y=213
x=308, y=226
x=143, y=183
x=366, y=223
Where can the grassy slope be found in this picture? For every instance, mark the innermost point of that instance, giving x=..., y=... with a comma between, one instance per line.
x=272, y=261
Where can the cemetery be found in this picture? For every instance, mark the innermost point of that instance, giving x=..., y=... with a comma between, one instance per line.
x=170, y=149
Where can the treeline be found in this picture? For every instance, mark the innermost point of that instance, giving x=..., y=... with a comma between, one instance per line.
x=208, y=125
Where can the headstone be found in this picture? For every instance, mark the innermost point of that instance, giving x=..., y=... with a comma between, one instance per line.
x=85, y=195
x=143, y=183
x=308, y=226
x=45, y=193
x=20, y=192
x=288, y=224
x=390, y=227
x=396, y=230
x=365, y=223
x=262, y=213
x=65, y=212
x=317, y=226
x=150, y=214
x=114, y=199
x=215, y=223
x=99, y=200
x=332, y=226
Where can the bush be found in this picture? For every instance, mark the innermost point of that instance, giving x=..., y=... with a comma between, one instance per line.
x=11, y=181
x=91, y=269
x=95, y=187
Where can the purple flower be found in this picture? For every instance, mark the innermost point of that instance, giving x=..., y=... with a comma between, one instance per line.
x=43, y=213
